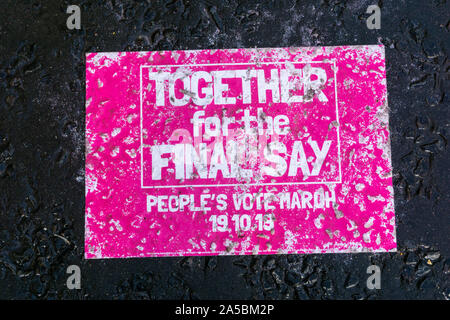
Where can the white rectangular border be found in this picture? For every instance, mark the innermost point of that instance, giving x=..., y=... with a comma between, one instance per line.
x=237, y=184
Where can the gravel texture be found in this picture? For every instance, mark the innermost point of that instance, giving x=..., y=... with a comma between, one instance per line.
x=42, y=112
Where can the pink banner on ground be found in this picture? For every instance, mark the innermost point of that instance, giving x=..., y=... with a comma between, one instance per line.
x=238, y=151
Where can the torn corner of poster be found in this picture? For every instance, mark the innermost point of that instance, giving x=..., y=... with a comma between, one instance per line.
x=238, y=151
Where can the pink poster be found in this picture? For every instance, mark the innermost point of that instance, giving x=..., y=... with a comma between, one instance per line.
x=238, y=151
